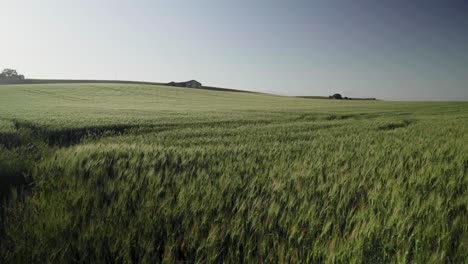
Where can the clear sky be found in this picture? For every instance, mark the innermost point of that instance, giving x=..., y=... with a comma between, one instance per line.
x=395, y=49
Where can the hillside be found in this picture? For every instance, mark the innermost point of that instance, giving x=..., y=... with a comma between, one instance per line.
x=79, y=81
x=148, y=173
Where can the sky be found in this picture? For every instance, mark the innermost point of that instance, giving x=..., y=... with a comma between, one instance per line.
x=388, y=49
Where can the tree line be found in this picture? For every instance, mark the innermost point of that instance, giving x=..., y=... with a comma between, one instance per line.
x=11, y=76
x=338, y=96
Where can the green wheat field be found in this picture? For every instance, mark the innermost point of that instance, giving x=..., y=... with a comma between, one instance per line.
x=123, y=173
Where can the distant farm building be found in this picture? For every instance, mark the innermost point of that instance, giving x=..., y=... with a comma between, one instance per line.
x=189, y=84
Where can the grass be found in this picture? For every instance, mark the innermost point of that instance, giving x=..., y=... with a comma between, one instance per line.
x=139, y=173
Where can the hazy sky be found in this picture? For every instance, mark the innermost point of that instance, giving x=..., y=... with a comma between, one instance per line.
x=395, y=49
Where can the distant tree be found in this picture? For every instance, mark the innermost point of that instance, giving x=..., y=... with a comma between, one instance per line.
x=336, y=96
x=10, y=75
